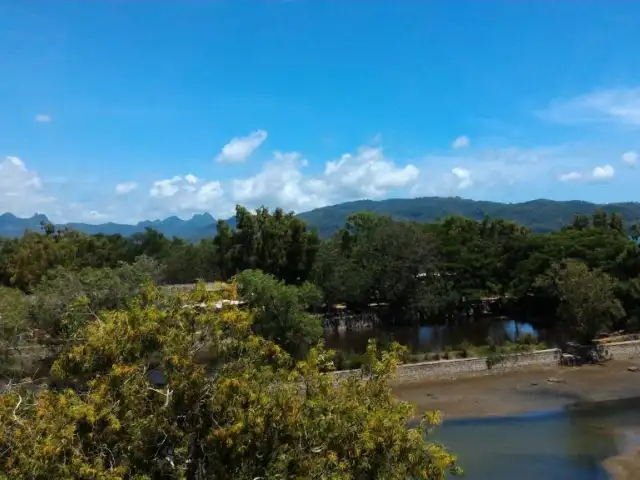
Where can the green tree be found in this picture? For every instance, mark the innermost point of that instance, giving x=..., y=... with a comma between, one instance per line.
x=586, y=298
x=14, y=323
x=281, y=310
x=66, y=299
x=246, y=416
x=599, y=219
x=581, y=222
x=376, y=259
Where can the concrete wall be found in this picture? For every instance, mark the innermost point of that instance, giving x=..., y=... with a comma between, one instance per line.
x=448, y=369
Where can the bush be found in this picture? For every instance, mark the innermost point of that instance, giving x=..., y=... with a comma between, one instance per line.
x=527, y=339
x=466, y=349
x=494, y=358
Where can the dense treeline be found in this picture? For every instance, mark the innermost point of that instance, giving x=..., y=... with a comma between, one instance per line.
x=420, y=271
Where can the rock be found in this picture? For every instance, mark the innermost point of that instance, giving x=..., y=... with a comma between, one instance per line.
x=534, y=383
x=554, y=380
x=634, y=369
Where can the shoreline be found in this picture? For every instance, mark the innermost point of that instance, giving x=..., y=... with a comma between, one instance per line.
x=535, y=391
x=527, y=390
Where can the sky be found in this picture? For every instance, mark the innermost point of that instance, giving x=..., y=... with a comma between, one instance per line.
x=138, y=109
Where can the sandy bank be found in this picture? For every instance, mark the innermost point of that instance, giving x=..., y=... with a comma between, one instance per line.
x=625, y=466
x=519, y=392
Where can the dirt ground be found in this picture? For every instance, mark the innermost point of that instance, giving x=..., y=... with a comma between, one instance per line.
x=518, y=392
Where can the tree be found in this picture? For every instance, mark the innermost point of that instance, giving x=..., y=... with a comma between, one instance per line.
x=616, y=223
x=599, y=219
x=376, y=259
x=66, y=299
x=581, y=222
x=281, y=311
x=586, y=298
x=246, y=416
x=14, y=321
x=276, y=243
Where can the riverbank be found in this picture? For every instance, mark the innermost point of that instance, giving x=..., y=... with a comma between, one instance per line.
x=625, y=466
x=532, y=390
x=514, y=392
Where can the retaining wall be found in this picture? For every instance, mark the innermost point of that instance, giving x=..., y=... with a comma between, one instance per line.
x=449, y=369
x=622, y=350
x=465, y=367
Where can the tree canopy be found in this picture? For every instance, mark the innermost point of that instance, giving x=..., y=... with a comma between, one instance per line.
x=247, y=415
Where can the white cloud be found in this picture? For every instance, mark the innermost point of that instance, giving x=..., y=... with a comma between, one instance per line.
x=460, y=142
x=367, y=173
x=630, y=157
x=620, y=106
x=188, y=194
x=21, y=190
x=240, y=148
x=603, y=173
x=570, y=176
x=126, y=187
x=43, y=118
x=463, y=177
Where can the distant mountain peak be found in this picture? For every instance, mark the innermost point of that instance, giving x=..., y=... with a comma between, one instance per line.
x=540, y=215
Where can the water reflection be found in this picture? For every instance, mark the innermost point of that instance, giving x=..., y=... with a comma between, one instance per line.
x=568, y=444
x=437, y=337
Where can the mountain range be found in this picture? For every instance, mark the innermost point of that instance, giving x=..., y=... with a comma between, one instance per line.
x=540, y=215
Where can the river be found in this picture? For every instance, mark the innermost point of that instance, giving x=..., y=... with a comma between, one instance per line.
x=436, y=337
x=566, y=444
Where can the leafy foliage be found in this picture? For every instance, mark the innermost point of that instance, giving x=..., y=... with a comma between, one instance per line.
x=251, y=417
x=281, y=310
x=415, y=272
x=587, y=302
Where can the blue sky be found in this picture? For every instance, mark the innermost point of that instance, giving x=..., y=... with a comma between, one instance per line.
x=127, y=110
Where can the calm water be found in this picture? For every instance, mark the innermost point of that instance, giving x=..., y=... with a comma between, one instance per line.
x=436, y=337
x=564, y=445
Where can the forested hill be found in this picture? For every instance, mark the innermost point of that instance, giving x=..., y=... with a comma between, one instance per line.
x=540, y=215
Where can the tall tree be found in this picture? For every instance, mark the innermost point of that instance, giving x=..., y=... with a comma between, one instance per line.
x=586, y=298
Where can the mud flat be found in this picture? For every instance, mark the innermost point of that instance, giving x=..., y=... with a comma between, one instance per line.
x=524, y=391
x=625, y=466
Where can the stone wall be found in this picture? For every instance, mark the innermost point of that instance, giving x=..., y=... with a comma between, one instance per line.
x=622, y=350
x=449, y=369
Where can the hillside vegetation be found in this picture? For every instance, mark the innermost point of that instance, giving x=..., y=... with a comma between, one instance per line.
x=539, y=215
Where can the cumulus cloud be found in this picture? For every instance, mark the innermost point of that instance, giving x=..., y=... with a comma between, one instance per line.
x=43, y=118
x=603, y=173
x=620, y=106
x=460, y=142
x=21, y=189
x=241, y=148
x=185, y=194
x=367, y=173
x=463, y=176
x=570, y=176
x=630, y=157
x=126, y=187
